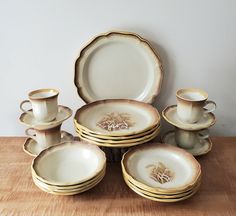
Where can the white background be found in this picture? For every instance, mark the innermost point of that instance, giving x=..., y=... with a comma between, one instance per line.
x=40, y=40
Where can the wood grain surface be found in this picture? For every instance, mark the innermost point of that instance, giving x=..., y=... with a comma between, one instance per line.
x=19, y=195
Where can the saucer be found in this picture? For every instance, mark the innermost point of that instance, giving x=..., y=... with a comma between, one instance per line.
x=29, y=120
x=32, y=148
x=170, y=115
x=200, y=148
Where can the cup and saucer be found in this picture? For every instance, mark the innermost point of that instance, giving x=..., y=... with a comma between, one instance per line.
x=189, y=141
x=42, y=139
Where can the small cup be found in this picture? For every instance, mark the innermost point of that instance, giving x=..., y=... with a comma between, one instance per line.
x=45, y=138
x=44, y=104
x=191, y=105
x=187, y=139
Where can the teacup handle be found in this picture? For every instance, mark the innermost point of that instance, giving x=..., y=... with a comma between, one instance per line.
x=21, y=106
x=28, y=133
x=213, y=107
x=203, y=134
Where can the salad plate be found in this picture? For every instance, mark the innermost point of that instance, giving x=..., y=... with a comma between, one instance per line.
x=117, y=117
x=107, y=66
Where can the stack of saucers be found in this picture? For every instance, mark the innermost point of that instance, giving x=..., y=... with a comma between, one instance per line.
x=161, y=172
x=64, y=169
x=117, y=122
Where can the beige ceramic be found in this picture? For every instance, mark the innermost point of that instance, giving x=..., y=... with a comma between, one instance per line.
x=187, y=139
x=94, y=135
x=29, y=120
x=109, y=64
x=33, y=148
x=67, y=163
x=44, y=104
x=191, y=104
x=201, y=147
x=45, y=138
x=132, y=140
x=117, y=117
x=161, y=168
x=170, y=115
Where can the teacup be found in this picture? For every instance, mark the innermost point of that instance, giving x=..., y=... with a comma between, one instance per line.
x=44, y=104
x=187, y=139
x=191, y=104
x=45, y=138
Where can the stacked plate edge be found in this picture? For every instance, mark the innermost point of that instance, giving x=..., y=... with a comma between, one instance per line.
x=117, y=123
x=161, y=172
x=64, y=169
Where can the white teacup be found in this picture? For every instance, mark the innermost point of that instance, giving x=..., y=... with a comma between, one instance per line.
x=44, y=104
x=45, y=138
x=191, y=104
x=187, y=139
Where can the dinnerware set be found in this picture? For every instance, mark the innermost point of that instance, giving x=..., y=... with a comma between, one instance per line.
x=69, y=168
x=44, y=121
x=161, y=172
x=192, y=120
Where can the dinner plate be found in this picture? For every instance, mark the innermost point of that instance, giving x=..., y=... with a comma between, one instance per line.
x=200, y=148
x=115, y=137
x=29, y=120
x=132, y=140
x=67, y=163
x=119, y=145
x=161, y=168
x=117, y=117
x=171, y=116
x=108, y=65
x=32, y=148
x=158, y=199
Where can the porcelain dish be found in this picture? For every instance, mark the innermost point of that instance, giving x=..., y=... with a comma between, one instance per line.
x=200, y=148
x=107, y=65
x=32, y=148
x=51, y=165
x=170, y=115
x=30, y=121
x=161, y=172
x=117, y=117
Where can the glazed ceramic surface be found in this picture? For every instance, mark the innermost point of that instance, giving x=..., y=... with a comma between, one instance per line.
x=171, y=116
x=191, y=103
x=161, y=166
x=51, y=165
x=107, y=66
x=200, y=148
x=117, y=117
x=43, y=103
x=29, y=120
x=33, y=148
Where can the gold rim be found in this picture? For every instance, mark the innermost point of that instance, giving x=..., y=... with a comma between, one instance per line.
x=55, y=91
x=77, y=126
x=119, y=141
x=119, y=145
x=123, y=33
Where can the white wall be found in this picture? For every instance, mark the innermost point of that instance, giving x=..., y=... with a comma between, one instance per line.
x=39, y=41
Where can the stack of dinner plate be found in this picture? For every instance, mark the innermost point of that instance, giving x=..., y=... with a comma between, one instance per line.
x=117, y=122
x=161, y=172
x=69, y=168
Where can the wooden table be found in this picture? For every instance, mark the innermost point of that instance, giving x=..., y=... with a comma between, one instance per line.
x=19, y=195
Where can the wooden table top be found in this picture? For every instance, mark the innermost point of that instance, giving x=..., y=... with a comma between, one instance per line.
x=19, y=195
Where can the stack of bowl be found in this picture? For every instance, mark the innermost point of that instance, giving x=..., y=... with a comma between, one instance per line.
x=69, y=168
x=192, y=121
x=117, y=123
x=161, y=172
x=44, y=121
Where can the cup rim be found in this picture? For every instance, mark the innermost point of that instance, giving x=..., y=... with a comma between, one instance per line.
x=55, y=91
x=202, y=92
